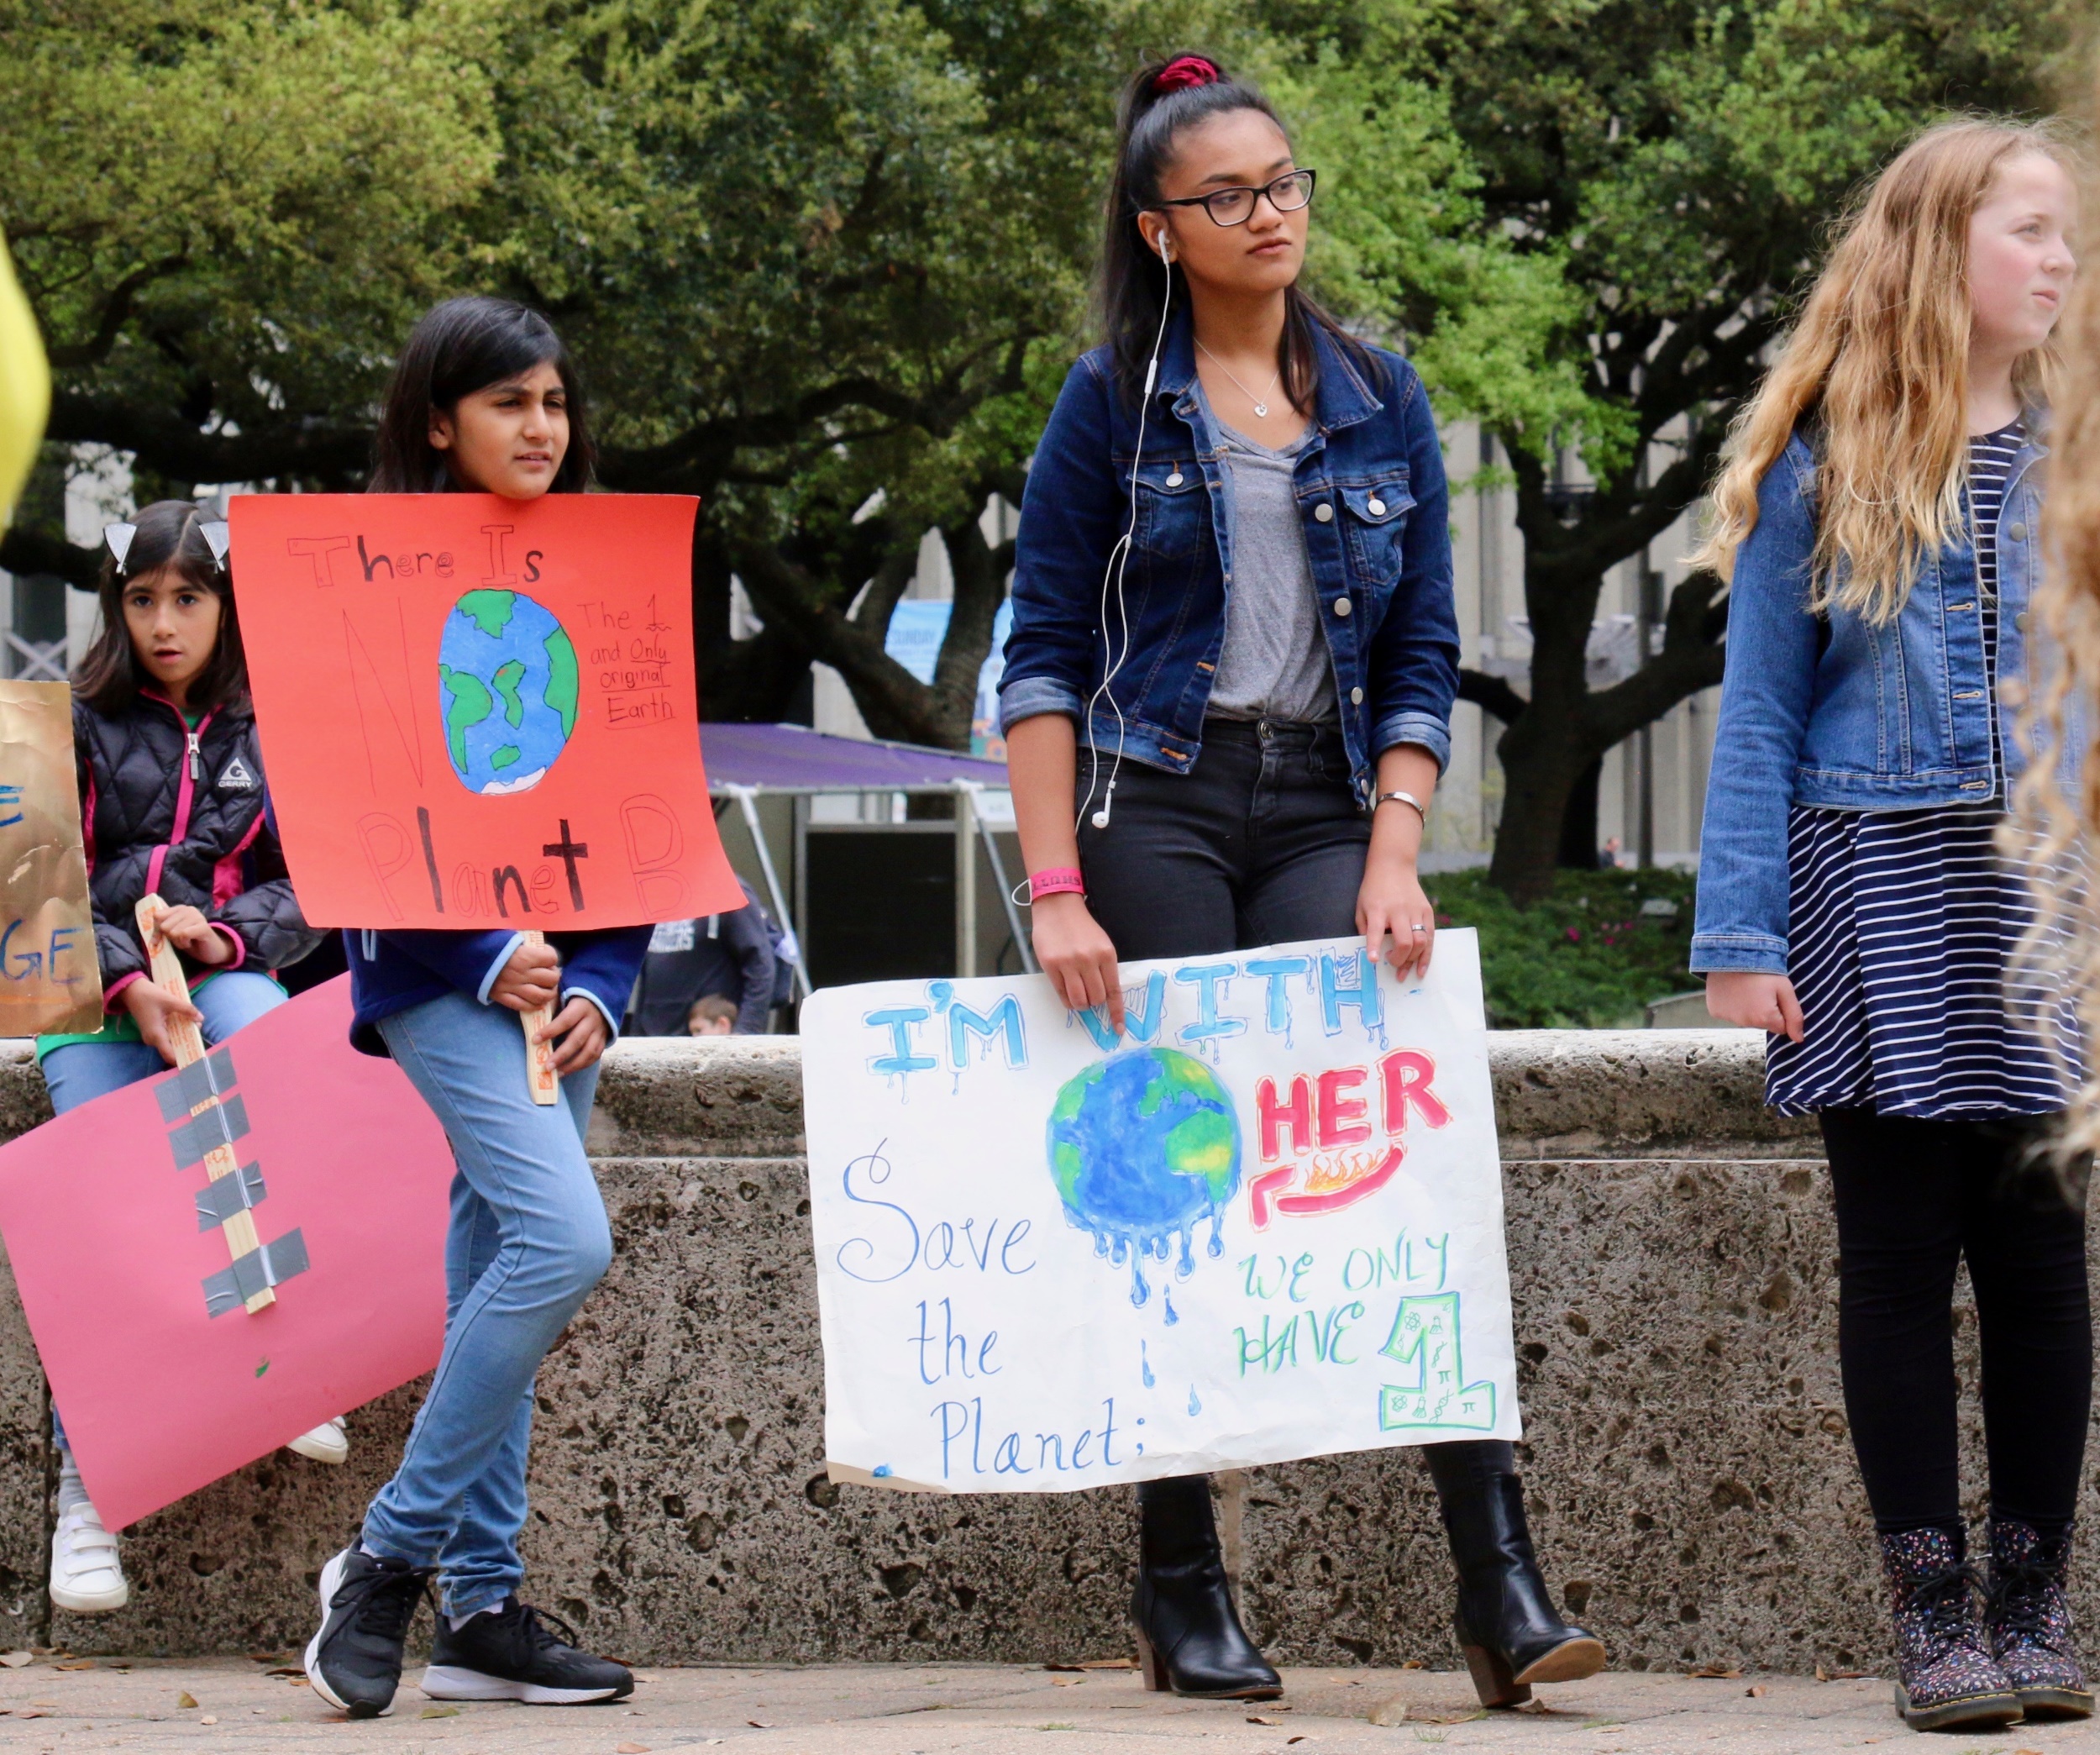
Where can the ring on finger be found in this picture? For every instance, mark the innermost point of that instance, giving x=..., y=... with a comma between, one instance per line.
x=1419, y=926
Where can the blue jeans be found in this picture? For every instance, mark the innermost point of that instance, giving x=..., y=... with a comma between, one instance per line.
x=82, y=1071
x=528, y=1240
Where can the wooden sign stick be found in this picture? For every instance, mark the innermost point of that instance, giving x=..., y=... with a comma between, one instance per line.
x=188, y=1043
x=540, y=1076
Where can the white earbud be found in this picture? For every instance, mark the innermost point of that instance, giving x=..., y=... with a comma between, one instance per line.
x=1166, y=246
x=1099, y=818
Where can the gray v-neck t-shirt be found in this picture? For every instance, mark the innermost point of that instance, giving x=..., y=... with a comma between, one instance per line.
x=1274, y=664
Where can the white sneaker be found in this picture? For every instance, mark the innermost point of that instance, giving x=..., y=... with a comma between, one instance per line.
x=86, y=1577
x=328, y=1442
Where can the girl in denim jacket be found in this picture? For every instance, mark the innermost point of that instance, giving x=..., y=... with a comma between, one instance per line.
x=1878, y=519
x=483, y=399
x=1226, y=704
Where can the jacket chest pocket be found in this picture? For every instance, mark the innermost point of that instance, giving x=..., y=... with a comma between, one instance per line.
x=1373, y=519
x=1173, y=508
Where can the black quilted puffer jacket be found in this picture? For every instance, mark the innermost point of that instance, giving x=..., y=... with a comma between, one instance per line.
x=182, y=814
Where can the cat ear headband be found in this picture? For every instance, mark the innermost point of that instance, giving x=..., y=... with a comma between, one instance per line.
x=116, y=539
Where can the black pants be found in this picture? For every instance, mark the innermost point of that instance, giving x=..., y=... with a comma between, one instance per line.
x=1260, y=842
x=1914, y=1198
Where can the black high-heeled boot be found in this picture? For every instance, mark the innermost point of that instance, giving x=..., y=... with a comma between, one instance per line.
x=1189, y=1638
x=1506, y=1623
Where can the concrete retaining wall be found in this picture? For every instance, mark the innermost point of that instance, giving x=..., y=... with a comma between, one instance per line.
x=1691, y=1483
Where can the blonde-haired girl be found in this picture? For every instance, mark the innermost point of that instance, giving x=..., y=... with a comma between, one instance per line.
x=1877, y=518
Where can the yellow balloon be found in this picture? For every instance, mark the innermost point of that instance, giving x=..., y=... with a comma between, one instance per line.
x=25, y=387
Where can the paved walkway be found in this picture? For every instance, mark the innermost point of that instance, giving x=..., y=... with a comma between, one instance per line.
x=229, y=1705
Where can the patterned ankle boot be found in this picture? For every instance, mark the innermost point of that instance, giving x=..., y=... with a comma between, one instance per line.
x=1947, y=1678
x=2030, y=1620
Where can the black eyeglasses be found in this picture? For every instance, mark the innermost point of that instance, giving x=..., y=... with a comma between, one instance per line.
x=1287, y=194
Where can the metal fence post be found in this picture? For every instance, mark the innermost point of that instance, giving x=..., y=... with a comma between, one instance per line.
x=965, y=883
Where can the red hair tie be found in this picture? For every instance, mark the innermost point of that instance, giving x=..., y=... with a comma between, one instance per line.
x=1185, y=70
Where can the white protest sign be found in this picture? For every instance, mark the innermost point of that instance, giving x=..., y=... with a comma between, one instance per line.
x=1266, y=1223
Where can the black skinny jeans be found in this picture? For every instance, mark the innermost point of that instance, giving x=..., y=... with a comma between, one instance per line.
x=1260, y=842
x=1914, y=1198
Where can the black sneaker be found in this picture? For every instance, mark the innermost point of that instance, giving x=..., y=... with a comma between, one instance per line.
x=366, y=1604
x=509, y=1654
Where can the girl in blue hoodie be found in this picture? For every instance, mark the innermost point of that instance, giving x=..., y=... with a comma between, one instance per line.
x=484, y=400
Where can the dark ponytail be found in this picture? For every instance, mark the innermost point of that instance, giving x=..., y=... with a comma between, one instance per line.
x=1163, y=100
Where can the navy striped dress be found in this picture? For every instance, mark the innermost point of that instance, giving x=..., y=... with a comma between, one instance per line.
x=1902, y=928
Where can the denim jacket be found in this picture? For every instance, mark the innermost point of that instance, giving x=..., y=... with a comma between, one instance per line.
x=1834, y=710
x=1370, y=484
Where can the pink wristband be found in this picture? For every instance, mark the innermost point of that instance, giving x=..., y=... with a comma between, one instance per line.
x=1060, y=881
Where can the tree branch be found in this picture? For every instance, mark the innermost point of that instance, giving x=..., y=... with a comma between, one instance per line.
x=979, y=581
x=1690, y=660
x=892, y=579
x=704, y=450
x=890, y=698
x=32, y=551
x=1625, y=526
x=174, y=446
x=115, y=313
x=1491, y=694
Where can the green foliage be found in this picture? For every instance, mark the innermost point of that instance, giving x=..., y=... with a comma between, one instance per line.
x=226, y=213
x=1583, y=957
x=1406, y=244
x=1618, y=164
x=824, y=262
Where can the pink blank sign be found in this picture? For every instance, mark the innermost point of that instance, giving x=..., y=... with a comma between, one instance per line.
x=160, y=1397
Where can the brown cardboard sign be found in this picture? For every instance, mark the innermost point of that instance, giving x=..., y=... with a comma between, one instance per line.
x=50, y=978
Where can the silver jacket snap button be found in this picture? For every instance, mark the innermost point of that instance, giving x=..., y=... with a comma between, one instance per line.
x=1378, y=508
x=1341, y=605
x=1174, y=480
x=1324, y=512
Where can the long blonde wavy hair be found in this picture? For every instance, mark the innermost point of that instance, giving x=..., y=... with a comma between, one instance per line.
x=2052, y=829
x=1879, y=356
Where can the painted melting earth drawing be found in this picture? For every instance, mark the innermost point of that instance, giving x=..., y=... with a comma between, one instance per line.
x=1144, y=1146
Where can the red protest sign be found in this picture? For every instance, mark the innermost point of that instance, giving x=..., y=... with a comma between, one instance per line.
x=477, y=710
x=117, y=1237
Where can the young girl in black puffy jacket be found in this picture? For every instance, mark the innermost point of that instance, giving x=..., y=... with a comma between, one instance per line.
x=172, y=804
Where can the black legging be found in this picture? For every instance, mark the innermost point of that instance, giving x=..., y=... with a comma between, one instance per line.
x=1914, y=1198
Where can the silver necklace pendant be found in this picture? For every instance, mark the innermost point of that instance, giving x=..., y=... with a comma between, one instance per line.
x=1261, y=408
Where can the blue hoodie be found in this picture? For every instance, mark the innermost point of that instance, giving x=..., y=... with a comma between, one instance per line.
x=390, y=971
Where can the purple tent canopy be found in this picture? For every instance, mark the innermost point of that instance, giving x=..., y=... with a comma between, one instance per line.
x=794, y=758
x=744, y=760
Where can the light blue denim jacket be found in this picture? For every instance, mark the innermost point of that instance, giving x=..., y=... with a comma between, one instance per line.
x=1865, y=718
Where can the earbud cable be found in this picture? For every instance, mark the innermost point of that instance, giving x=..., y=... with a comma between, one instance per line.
x=1119, y=558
